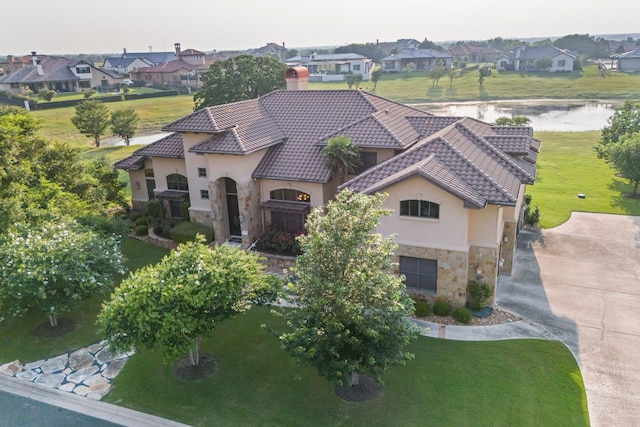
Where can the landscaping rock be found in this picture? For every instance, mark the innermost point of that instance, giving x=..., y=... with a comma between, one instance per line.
x=114, y=368
x=56, y=364
x=81, y=390
x=11, y=368
x=105, y=356
x=50, y=380
x=98, y=384
x=34, y=366
x=79, y=376
x=68, y=387
x=27, y=375
x=94, y=348
x=80, y=359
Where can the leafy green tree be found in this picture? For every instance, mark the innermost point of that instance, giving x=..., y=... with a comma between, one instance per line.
x=375, y=77
x=625, y=121
x=91, y=119
x=372, y=51
x=451, y=74
x=353, y=311
x=47, y=95
x=106, y=188
x=512, y=121
x=341, y=155
x=49, y=268
x=176, y=302
x=482, y=73
x=238, y=79
x=624, y=156
x=354, y=79
x=409, y=67
x=543, y=64
x=124, y=123
x=427, y=44
x=436, y=73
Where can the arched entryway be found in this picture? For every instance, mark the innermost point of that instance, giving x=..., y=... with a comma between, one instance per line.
x=233, y=210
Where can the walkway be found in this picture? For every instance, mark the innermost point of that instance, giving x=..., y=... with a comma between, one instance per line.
x=581, y=282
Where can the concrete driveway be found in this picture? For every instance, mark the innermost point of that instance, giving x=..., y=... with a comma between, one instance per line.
x=581, y=282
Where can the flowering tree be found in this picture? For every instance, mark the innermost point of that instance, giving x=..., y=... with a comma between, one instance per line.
x=176, y=302
x=50, y=268
x=353, y=312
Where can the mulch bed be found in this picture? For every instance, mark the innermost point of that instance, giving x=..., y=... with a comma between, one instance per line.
x=367, y=389
x=45, y=330
x=184, y=370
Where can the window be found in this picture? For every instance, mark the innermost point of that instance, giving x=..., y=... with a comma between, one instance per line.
x=420, y=274
x=204, y=194
x=420, y=209
x=83, y=70
x=290, y=195
x=367, y=160
x=175, y=208
x=202, y=172
x=287, y=221
x=562, y=63
x=356, y=67
x=85, y=84
x=177, y=182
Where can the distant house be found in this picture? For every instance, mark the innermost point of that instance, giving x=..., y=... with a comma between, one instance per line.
x=422, y=60
x=403, y=44
x=455, y=185
x=474, y=52
x=125, y=65
x=59, y=74
x=154, y=58
x=14, y=63
x=185, y=70
x=627, y=62
x=273, y=50
x=333, y=66
x=524, y=59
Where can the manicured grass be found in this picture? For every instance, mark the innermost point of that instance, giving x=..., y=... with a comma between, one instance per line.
x=417, y=87
x=503, y=383
x=154, y=113
x=17, y=340
x=567, y=166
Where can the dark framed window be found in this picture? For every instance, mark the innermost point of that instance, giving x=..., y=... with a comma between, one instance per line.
x=419, y=209
x=204, y=194
x=84, y=84
x=288, y=221
x=83, y=70
x=420, y=274
x=202, y=172
x=175, y=208
x=368, y=159
x=14, y=85
x=289, y=195
x=177, y=182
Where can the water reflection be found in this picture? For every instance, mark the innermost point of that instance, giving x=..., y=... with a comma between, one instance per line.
x=544, y=115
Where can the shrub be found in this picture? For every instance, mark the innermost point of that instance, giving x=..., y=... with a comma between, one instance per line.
x=462, y=315
x=105, y=225
x=441, y=307
x=141, y=221
x=89, y=93
x=187, y=231
x=279, y=242
x=154, y=212
x=134, y=216
x=142, y=230
x=422, y=308
x=479, y=293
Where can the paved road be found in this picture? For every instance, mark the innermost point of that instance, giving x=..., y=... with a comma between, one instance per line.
x=581, y=282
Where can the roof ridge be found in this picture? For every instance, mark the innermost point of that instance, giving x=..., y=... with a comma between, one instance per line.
x=427, y=172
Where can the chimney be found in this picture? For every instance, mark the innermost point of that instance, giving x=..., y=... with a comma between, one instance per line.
x=177, y=46
x=34, y=58
x=297, y=78
x=39, y=68
x=518, y=52
x=283, y=46
x=124, y=50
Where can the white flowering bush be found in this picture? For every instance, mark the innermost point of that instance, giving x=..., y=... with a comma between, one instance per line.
x=49, y=268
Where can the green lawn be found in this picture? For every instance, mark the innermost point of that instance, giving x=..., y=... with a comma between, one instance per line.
x=502, y=383
x=154, y=113
x=568, y=166
x=417, y=87
x=17, y=340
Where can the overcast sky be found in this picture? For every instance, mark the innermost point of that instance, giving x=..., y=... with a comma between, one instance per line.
x=80, y=26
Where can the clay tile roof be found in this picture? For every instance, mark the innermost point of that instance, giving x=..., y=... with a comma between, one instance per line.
x=169, y=146
x=461, y=158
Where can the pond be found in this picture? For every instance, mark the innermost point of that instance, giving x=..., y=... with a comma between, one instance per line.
x=555, y=116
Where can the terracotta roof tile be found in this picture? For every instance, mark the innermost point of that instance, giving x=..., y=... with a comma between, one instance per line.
x=169, y=146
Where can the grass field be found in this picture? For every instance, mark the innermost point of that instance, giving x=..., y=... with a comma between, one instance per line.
x=501, y=383
x=568, y=166
x=417, y=87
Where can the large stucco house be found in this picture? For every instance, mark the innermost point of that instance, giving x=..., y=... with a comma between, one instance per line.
x=456, y=185
x=525, y=59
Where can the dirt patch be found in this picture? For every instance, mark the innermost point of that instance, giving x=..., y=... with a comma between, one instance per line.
x=367, y=389
x=184, y=370
x=45, y=330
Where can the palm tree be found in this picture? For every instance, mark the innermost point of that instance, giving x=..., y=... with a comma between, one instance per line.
x=341, y=155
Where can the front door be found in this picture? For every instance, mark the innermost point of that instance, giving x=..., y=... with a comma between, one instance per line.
x=233, y=211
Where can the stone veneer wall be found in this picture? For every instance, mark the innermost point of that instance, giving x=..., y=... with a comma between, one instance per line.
x=278, y=263
x=218, y=208
x=249, y=204
x=508, y=248
x=487, y=260
x=452, y=270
